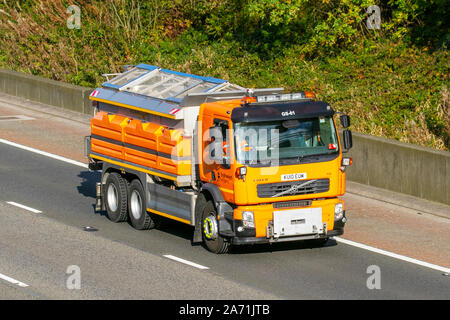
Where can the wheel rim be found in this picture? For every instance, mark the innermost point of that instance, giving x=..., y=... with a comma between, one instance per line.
x=112, y=197
x=136, y=205
x=210, y=227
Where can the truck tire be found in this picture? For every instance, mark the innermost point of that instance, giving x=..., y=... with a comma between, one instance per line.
x=213, y=241
x=139, y=217
x=116, y=197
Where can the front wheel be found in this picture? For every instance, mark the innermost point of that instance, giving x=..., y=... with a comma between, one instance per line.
x=210, y=230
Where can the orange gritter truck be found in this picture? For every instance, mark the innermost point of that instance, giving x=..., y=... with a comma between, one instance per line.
x=242, y=166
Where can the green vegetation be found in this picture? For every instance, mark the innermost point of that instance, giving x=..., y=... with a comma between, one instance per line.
x=393, y=81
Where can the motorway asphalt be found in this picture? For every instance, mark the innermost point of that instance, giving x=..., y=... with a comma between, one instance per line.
x=119, y=262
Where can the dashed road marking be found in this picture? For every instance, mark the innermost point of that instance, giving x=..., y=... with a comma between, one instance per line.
x=193, y=264
x=23, y=207
x=13, y=281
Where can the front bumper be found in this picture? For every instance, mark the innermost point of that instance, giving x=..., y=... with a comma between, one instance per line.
x=264, y=240
x=266, y=232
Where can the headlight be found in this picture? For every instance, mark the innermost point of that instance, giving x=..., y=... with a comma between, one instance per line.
x=347, y=161
x=338, y=211
x=248, y=220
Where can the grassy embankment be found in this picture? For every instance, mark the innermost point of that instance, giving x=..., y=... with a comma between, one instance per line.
x=393, y=82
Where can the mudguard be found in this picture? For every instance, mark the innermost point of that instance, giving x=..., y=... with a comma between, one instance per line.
x=224, y=210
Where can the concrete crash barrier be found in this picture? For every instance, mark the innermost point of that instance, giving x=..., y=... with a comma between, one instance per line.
x=378, y=162
x=50, y=92
x=400, y=167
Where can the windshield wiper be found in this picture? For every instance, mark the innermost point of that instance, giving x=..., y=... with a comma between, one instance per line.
x=326, y=153
x=299, y=158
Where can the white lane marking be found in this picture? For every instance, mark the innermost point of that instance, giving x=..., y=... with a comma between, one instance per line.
x=23, y=207
x=47, y=154
x=13, y=281
x=193, y=264
x=393, y=255
x=349, y=242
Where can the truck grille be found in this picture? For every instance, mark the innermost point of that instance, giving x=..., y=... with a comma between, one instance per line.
x=292, y=204
x=269, y=190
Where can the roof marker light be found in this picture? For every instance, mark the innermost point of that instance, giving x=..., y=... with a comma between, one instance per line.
x=285, y=97
x=310, y=95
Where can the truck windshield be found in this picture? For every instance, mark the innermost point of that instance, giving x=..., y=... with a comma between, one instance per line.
x=266, y=142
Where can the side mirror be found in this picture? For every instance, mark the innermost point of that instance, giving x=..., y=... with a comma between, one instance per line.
x=348, y=140
x=345, y=121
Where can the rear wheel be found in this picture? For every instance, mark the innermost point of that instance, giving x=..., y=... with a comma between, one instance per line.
x=210, y=230
x=139, y=217
x=115, y=196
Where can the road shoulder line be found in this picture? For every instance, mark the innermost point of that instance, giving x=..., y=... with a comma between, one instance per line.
x=393, y=255
x=44, y=153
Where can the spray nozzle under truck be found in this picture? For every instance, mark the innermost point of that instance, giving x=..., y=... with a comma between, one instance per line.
x=241, y=166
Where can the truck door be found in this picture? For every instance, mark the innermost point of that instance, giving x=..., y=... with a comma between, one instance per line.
x=221, y=167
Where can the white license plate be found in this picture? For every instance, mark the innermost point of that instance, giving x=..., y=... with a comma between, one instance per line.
x=293, y=176
x=297, y=222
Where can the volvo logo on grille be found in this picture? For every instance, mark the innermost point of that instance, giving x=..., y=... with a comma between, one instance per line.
x=287, y=188
x=294, y=188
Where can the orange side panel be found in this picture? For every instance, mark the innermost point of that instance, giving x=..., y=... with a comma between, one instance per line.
x=142, y=135
x=184, y=168
x=172, y=142
x=106, y=148
x=109, y=126
x=180, y=168
x=150, y=136
x=143, y=158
